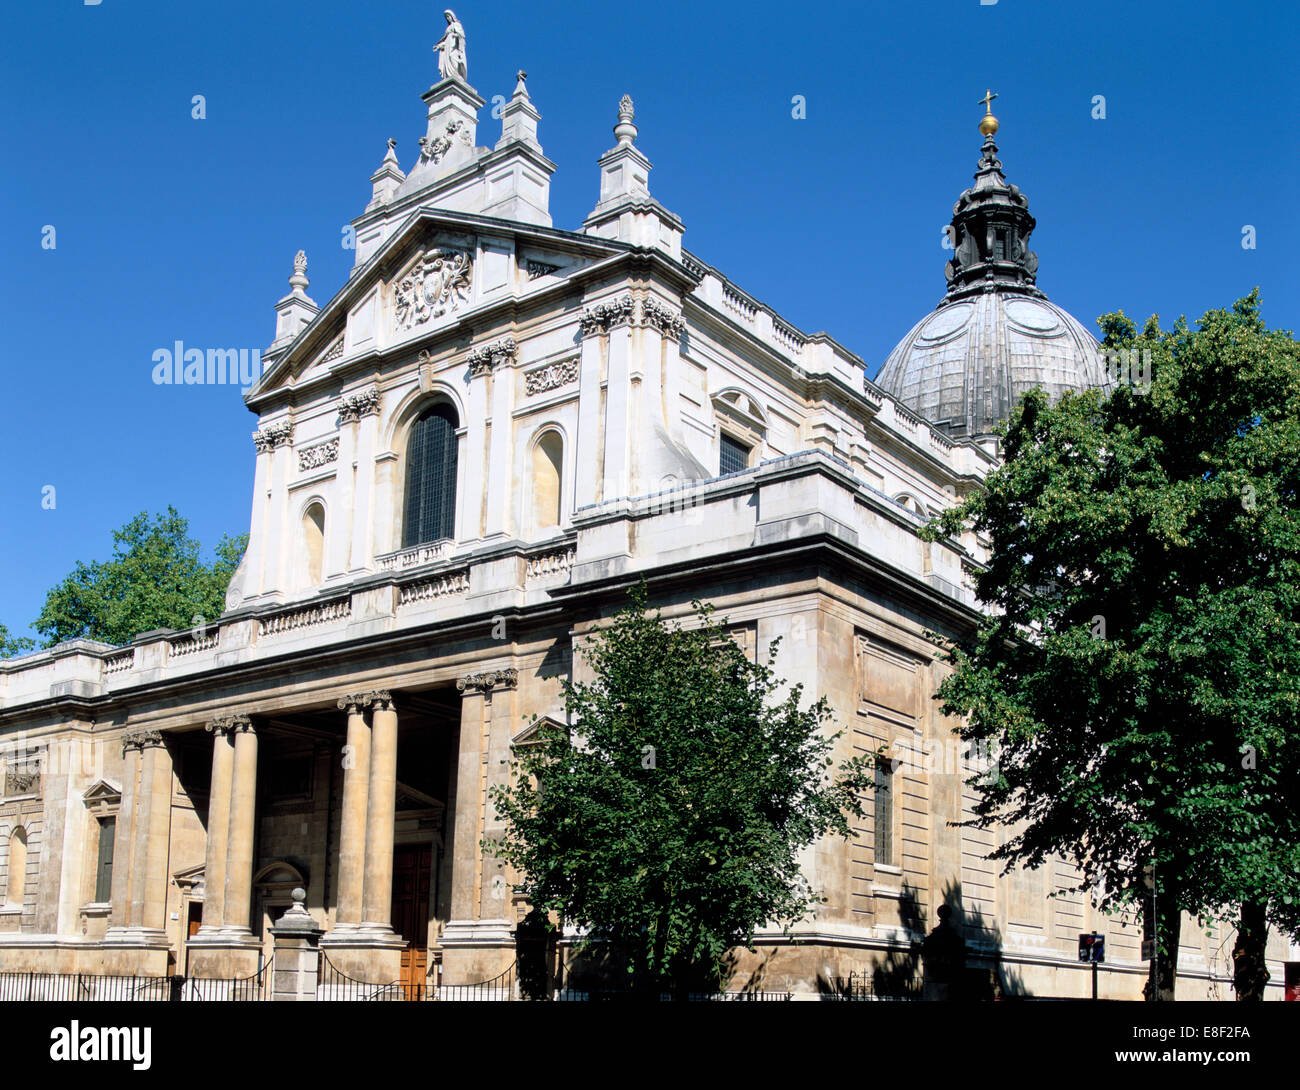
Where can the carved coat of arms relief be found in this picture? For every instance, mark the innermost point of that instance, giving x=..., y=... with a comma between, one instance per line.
x=436, y=284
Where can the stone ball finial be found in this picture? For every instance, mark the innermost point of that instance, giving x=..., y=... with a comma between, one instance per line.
x=299, y=895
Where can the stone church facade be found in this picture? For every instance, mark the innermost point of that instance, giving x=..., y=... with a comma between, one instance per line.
x=463, y=461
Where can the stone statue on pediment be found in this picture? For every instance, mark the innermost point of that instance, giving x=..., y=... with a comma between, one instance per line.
x=452, y=63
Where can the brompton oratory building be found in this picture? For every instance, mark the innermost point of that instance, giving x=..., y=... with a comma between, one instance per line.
x=463, y=461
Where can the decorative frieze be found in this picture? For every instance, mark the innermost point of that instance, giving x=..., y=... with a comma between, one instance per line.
x=486, y=682
x=606, y=316
x=551, y=377
x=438, y=586
x=355, y=406
x=292, y=620
x=319, y=455
x=436, y=284
x=490, y=356
x=23, y=777
x=272, y=436
x=657, y=316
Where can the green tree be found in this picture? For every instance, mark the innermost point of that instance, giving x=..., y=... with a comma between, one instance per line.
x=1140, y=669
x=155, y=578
x=668, y=820
x=13, y=645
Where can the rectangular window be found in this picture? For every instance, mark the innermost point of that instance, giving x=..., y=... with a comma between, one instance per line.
x=883, y=795
x=104, y=866
x=733, y=455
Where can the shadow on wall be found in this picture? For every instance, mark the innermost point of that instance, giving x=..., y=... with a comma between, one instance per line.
x=958, y=959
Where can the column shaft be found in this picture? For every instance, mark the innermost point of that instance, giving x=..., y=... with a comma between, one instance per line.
x=381, y=812
x=352, y=824
x=140, y=820
x=465, y=831
x=214, y=868
x=157, y=836
x=124, y=837
x=239, y=848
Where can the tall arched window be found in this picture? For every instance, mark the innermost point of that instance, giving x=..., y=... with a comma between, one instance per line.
x=313, y=538
x=17, y=867
x=429, y=510
x=548, y=457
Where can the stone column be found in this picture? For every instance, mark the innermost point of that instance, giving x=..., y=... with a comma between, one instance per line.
x=381, y=812
x=352, y=824
x=243, y=806
x=156, y=772
x=474, y=947
x=214, y=868
x=124, y=837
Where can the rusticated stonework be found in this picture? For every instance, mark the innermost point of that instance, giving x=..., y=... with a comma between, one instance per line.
x=491, y=356
x=319, y=455
x=436, y=284
x=551, y=377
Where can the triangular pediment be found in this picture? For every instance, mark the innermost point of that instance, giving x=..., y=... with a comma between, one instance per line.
x=531, y=734
x=104, y=790
x=436, y=272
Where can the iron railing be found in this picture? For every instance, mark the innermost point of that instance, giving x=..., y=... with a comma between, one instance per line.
x=91, y=987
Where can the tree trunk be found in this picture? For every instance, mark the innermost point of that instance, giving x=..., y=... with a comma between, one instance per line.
x=1249, y=970
x=1169, y=933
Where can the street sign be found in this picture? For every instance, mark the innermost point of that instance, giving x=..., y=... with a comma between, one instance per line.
x=1092, y=948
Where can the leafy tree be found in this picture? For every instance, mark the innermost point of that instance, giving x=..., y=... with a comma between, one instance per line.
x=668, y=820
x=13, y=645
x=154, y=579
x=1140, y=669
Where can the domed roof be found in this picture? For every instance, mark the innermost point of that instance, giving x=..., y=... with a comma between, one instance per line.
x=995, y=335
x=966, y=364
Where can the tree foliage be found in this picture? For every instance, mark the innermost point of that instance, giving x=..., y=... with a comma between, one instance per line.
x=156, y=578
x=1140, y=670
x=668, y=820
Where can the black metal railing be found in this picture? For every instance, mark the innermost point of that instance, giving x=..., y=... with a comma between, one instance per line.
x=92, y=987
x=501, y=988
x=333, y=984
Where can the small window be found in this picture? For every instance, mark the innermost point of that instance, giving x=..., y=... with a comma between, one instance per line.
x=104, y=864
x=883, y=796
x=17, y=867
x=733, y=455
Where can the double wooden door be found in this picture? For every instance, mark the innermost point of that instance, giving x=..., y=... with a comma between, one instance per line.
x=412, y=867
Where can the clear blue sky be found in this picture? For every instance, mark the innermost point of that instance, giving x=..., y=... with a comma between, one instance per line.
x=173, y=228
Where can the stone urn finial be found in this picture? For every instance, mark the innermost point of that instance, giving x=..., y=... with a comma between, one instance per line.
x=625, y=130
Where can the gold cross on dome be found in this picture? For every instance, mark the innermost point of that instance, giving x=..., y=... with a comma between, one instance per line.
x=987, y=100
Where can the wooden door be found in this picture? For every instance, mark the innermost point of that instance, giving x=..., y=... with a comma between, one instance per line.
x=193, y=920
x=412, y=866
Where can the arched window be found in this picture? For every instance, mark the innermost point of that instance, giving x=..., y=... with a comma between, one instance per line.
x=313, y=537
x=429, y=510
x=548, y=457
x=17, y=866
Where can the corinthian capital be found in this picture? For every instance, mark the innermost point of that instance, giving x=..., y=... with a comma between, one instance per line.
x=486, y=682
x=229, y=724
x=141, y=738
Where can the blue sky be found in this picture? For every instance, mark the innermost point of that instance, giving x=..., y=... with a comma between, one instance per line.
x=170, y=228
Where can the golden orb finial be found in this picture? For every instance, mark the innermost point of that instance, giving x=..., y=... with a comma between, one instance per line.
x=988, y=123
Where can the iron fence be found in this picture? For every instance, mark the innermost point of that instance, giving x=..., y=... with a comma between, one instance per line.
x=92, y=988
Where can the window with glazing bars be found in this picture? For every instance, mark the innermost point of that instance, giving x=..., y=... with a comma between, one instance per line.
x=733, y=455
x=104, y=864
x=429, y=513
x=884, y=812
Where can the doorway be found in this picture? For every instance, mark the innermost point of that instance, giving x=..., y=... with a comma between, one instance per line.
x=412, y=866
